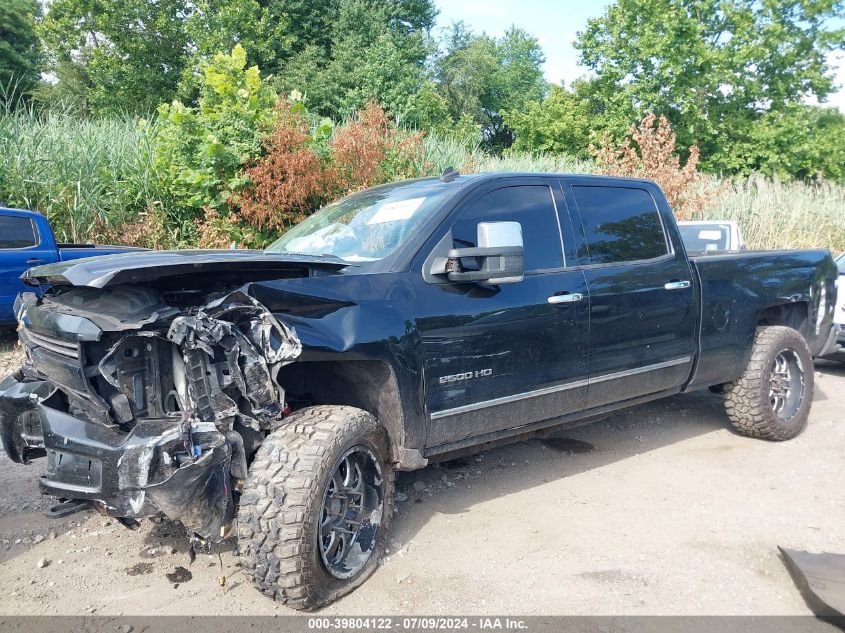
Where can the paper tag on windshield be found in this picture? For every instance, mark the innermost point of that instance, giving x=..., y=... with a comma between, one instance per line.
x=394, y=211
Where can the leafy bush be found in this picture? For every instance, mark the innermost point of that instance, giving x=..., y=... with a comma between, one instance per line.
x=148, y=229
x=802, y=141
x=227, y=230
x=202, y=151
x=560, y=124
x=649, y=152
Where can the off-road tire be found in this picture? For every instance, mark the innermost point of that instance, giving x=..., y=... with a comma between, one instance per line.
x=282, y=500
x=747, y=399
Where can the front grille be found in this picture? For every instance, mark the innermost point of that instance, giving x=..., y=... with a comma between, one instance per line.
x=63, y=347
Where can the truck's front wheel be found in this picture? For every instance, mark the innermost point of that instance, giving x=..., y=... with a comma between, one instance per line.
x=772, y=399
x=317, y=506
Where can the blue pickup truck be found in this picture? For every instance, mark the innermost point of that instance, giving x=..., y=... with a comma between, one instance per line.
x=27, y=240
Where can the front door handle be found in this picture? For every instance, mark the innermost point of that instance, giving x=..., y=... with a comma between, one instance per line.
x=676, y=285
x=569, y=297
x=36, y=260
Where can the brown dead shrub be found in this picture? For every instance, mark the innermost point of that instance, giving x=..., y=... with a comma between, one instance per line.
x=649, y=152
x=290, y=181
x=295, y=177
x=370, y=150
x=148, y=230
x=216, y=230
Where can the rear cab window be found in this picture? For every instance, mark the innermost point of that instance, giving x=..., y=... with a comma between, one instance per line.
x=16, y=232
x=532, y=206
x=621, y=224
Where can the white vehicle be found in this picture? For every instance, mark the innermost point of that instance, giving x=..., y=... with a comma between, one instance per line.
x=707, y=236
x=839, y=313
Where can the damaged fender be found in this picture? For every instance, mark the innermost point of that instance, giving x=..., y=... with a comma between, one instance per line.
x=232, y=346
x=255, y=346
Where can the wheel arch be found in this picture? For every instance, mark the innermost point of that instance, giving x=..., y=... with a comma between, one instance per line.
x=793, y=314
x=370, y=385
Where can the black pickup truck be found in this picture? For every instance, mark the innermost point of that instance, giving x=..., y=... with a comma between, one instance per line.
x=279, y=391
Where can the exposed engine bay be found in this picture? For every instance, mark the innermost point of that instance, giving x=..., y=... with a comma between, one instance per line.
x=147, y=399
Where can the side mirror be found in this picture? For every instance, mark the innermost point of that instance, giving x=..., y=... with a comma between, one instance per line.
x=499, y=256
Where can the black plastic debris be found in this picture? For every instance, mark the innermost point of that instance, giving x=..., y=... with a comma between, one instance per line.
x=821, y=580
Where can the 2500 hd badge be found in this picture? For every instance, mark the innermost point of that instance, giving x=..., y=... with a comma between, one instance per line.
x=467, y=375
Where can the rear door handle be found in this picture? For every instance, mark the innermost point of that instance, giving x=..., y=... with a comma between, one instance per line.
x=569, y=297
x=676, y=285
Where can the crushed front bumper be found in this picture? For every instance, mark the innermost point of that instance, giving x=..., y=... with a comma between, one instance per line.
x=156, y=467
x=20, y=424
x=141, y=421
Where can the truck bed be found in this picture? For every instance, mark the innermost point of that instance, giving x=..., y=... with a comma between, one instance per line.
x=737, y=294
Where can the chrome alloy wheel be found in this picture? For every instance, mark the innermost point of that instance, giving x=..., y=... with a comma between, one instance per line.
x=351, y=514
x=786, y=384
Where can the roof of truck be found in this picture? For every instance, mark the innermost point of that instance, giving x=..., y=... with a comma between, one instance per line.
x=458, y=180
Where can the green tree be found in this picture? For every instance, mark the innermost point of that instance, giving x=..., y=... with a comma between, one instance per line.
x=202, y=150
x=559, y=124
x=20, y=53
x=802, y=141
x=483, y=77
x=130, y=52
x=312, y=21
x=377, y=50
x=715, y=68
x=69, y=88
x=261, y=27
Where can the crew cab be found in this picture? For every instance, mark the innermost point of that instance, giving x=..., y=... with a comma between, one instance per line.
x=274, y=394
x=27, y=240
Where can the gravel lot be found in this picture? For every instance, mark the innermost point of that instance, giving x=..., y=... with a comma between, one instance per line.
x=657, y=510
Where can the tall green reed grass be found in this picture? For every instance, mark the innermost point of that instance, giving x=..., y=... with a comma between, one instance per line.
x=86, y=174
x=774, y=214
x=440, y=153
x=81, y=173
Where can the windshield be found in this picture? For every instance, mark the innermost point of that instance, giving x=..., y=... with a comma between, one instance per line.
x=365, y=226
x=705, y=237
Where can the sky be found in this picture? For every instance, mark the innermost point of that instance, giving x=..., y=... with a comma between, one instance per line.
x=555, y=24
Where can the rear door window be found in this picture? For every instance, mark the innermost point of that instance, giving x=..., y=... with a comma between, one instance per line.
x=530, y=205
x=16, y=232
x=621, y=224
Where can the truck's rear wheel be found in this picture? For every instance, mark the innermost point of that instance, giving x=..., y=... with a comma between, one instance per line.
x=317, y=506
x=772, y=399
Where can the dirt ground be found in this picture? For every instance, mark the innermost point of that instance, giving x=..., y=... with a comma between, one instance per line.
x=657, y=510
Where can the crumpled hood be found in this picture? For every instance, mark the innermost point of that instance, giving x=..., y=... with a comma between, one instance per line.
x=111, y=270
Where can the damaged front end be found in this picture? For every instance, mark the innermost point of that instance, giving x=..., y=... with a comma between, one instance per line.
x=146, y=401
